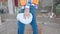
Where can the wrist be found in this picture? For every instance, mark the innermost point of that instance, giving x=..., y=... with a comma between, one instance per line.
x=27, y=10
x=27, y=6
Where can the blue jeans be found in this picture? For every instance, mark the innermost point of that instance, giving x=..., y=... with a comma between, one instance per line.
x=21, y=26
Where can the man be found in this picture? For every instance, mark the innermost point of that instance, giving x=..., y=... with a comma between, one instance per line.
x=28, y=6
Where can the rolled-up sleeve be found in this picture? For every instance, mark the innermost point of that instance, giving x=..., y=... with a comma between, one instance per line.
x=29, y=3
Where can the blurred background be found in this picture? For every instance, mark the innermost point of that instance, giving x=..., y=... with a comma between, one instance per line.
x=48, y=17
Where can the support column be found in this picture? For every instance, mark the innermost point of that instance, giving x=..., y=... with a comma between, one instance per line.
x=10, y=6
x=0, y=10
x=0, y=19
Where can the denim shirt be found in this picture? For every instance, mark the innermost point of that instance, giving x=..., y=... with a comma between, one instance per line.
x=29, y=4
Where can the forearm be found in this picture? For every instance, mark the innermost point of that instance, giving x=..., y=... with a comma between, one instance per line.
x=27, y=5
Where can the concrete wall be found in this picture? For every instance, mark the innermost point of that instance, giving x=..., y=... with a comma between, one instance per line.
x=46, y=2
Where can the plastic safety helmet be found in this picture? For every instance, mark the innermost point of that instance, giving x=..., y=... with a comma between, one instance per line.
x=20, y=17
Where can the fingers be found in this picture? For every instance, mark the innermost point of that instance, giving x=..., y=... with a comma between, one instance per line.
x=26, y=16
x=26, y=13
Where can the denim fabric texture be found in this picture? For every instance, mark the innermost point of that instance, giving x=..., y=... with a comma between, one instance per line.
x=21, y=26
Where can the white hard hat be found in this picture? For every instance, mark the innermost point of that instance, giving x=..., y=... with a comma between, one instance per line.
x=20, y=17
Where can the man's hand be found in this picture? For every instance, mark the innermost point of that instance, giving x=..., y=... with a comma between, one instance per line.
x=26, y=13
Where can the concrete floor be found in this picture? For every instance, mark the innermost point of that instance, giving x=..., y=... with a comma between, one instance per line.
x=49, y=26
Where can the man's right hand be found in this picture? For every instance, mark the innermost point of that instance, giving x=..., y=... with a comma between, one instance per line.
x=26, y=13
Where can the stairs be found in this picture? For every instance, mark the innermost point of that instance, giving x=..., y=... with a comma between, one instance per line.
x=8, y=17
